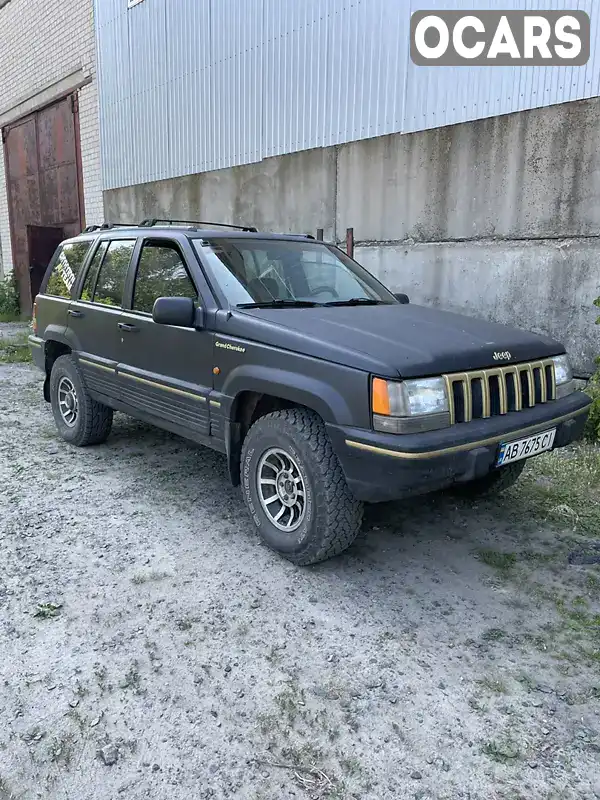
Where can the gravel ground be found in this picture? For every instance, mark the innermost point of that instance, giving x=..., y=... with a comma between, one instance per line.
x=153, y=648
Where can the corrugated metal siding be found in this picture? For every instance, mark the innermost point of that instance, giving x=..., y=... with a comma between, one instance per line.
x=189, y=86
x=444, y=96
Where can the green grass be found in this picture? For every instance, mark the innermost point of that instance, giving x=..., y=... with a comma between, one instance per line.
x=493, y=635
x=10, y=316
x=564, y=488
x=504, y=751
x=503, y=562
x=495, y=685
x=15, y=351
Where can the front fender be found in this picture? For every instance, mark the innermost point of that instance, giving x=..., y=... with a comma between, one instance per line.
x=314, y=393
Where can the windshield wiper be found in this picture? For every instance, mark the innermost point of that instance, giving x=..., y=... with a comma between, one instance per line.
x=281, y=303
x=356, y=301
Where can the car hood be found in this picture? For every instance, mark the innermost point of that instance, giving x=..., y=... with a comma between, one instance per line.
x=406, y=340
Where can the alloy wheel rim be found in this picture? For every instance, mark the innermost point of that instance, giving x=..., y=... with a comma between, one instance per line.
x=281, y=490
x=68, y=404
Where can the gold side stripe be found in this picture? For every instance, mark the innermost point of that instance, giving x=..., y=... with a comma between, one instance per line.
x=468, y=445
x=95, y=364
x=163, y=386
x=215, y=403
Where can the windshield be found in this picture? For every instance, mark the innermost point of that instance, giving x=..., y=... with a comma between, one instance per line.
x=283, y=273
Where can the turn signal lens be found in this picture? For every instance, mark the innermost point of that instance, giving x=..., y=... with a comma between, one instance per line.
x=34, y=319
x=381, y=399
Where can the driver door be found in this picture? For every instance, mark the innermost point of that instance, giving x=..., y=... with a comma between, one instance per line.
x=165, y=372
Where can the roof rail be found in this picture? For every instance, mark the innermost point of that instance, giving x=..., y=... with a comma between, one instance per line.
x=149, y=223
x=107, y=226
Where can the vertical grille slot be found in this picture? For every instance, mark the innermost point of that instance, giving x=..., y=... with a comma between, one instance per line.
x=513, y=391
x=459, y=401
x=539, y=390
x=527, y=395
x=494, y=395
x=477, y=403
x=494, y=392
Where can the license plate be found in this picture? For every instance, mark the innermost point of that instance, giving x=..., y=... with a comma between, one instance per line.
x=524, y=448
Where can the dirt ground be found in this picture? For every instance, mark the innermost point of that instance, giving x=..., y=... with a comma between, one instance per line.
x=153, y=648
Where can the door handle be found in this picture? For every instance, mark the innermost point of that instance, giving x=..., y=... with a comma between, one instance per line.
x=73, y=313
x=125, y=326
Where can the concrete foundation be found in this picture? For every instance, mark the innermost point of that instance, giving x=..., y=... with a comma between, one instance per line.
x=498, y=218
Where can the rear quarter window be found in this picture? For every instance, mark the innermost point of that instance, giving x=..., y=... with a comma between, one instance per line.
x=65, y=269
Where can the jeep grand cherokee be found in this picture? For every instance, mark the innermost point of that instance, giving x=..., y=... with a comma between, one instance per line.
x=322, y=388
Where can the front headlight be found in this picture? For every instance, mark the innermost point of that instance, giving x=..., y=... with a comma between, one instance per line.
x=562, y=369
x=564, y=376
x=410, y=406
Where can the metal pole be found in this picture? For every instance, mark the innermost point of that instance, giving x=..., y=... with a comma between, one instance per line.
x=350, y=242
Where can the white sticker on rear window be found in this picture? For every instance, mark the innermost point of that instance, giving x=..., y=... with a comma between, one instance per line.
x=64, y=270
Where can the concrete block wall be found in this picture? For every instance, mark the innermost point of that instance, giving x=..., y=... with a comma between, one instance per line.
x=498, y=218
x=42, y=43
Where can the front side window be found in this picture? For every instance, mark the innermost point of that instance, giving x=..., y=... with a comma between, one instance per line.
x=111, y=278
x=161, y=273
x=278, y=271
x=67, y=266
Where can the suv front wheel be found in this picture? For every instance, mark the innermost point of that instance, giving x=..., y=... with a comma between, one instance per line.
x=295, y=489
x=80, y=419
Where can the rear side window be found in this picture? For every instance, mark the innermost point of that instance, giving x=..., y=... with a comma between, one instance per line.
x=161, y=273
x=111, y=279
x=67, y=266
x=89, y=284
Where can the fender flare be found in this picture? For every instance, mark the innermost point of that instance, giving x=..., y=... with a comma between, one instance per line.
x=295, y=387
x=57, y=333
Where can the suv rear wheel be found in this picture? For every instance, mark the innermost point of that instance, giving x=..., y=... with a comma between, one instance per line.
x=295, y=489
x=80, y=419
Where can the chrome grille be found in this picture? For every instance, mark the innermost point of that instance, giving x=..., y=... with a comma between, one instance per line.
x=492, y=392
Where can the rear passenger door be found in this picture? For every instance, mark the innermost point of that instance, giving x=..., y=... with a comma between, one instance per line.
x=94, y=317
x=54, y=300
x=165, y=371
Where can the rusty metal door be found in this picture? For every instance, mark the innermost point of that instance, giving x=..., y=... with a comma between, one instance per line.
x=43, y=173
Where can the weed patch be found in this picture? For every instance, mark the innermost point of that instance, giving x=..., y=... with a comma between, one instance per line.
x=503, y=562
x=563, y=487
x=9, y=300
x=14, y=352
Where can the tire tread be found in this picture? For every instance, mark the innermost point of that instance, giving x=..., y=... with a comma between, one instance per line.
x=97, y=418
x=344, y=512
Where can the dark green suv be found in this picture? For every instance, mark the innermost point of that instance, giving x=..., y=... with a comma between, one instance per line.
x=321, y=388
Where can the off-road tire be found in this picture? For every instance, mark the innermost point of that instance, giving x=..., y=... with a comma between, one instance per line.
x=332, y=517
x=495, y=482
x=94, y=420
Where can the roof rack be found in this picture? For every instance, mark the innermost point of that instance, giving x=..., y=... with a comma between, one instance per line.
x=107, y=226
x=149, y=223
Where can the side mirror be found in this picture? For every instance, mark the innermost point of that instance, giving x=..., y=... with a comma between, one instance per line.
x=401, y=297
x=179, y=311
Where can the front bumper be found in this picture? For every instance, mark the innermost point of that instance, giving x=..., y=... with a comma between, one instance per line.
x=392, y=466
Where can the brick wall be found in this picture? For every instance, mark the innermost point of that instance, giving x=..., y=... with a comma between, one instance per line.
x=42, y=42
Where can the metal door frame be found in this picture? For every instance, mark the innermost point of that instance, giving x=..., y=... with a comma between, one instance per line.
x=74, y=95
